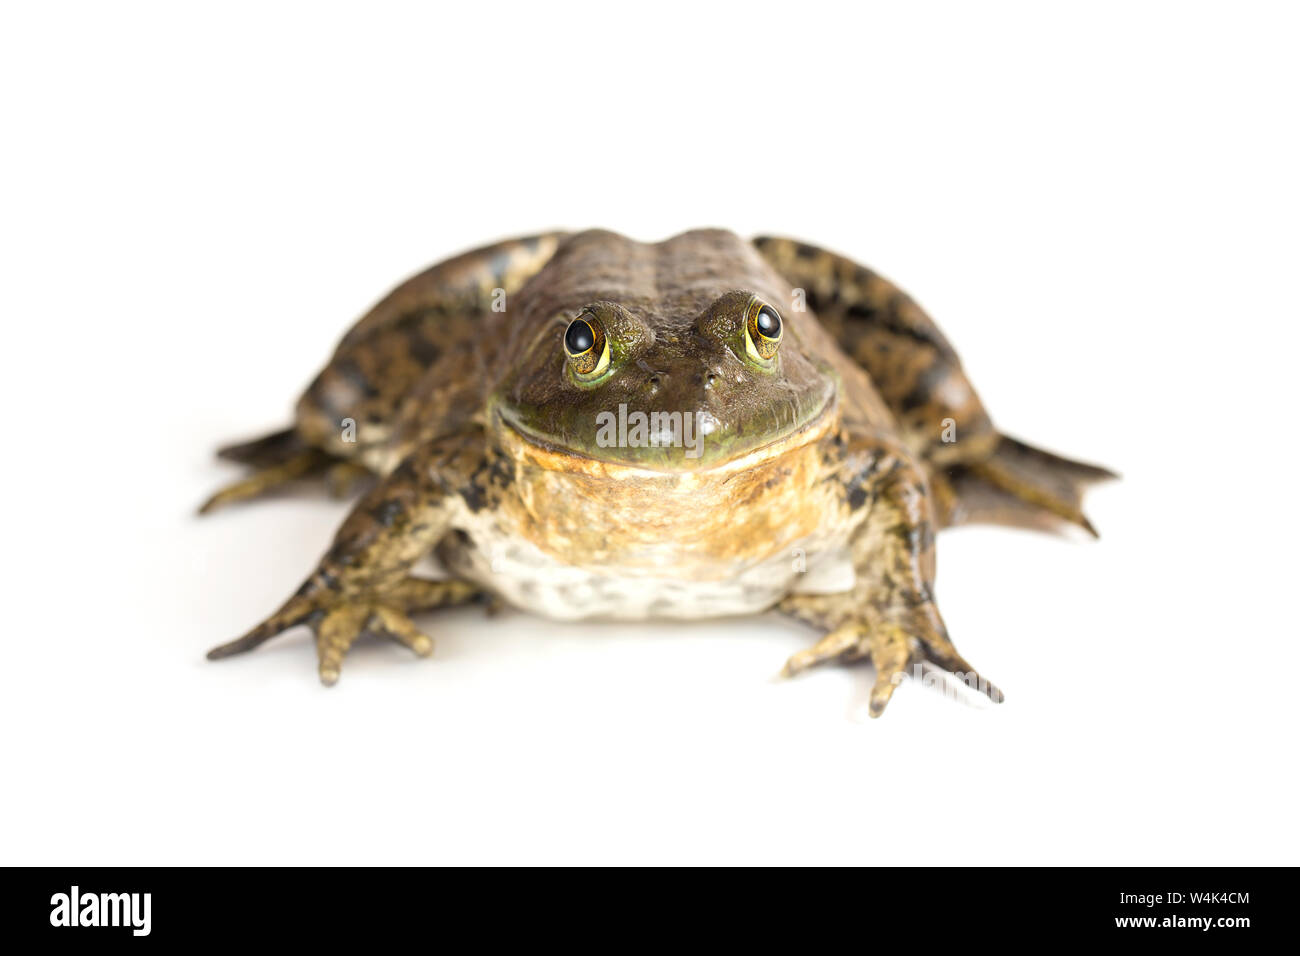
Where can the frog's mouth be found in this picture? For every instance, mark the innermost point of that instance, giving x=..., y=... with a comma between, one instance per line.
x=639, y=442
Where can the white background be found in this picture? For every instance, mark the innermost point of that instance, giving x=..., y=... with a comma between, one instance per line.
x=1098, y=202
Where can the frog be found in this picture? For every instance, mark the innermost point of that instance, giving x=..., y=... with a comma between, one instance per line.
x=585, y=426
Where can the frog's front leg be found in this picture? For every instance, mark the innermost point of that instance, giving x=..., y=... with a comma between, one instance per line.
x=889, y=615
x=363, y=583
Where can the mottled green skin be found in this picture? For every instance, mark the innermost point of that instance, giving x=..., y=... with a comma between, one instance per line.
x=480, y=433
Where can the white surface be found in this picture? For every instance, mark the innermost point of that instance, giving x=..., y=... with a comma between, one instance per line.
x=1098, y=205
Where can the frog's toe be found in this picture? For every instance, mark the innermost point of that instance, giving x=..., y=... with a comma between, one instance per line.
x=892, y=653
x=296, y=611
x=837, y=643
x=336, y=632
x=889, y=647
x=309, y=461
x=266, y=450
x=893, y=649
x=339, y=621
x=385, y=622
x=339, y=629
x=939, y=650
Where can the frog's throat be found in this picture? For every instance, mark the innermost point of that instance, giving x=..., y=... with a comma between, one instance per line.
x=519, y=444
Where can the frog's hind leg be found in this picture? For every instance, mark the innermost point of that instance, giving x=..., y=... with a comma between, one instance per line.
x=1017, y=485
x=912, y=366
x=277, y=459
x=347, y=422
x=976, y=473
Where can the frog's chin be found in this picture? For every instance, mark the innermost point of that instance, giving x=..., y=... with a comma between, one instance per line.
x=623, y=442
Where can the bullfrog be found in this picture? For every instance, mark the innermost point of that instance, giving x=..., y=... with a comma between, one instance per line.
x=587, y=426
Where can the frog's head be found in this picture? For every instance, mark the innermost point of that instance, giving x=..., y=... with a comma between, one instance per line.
x=683, y=385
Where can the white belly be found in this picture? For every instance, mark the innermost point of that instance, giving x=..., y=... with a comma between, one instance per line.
x=529, y=578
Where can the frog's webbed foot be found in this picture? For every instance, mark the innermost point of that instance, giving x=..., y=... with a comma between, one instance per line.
x=894, y=648
x=278, y=459
x=303, y=464
x=363, y=583
x=338, y=620
x=889, y=615
x=1019, y=485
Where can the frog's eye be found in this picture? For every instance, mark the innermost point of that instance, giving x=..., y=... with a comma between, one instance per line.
x=762, y=331
x=587, y=347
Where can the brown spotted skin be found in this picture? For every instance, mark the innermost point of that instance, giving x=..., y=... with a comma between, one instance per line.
x=910, y=362
x=889, y=615
x=363, y=583
x=383, y=358
x=976, y=474
x=483, y=435
x=392, y=359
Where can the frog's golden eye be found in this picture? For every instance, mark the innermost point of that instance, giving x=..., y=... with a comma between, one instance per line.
x=587, y=347
x=762, y=331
